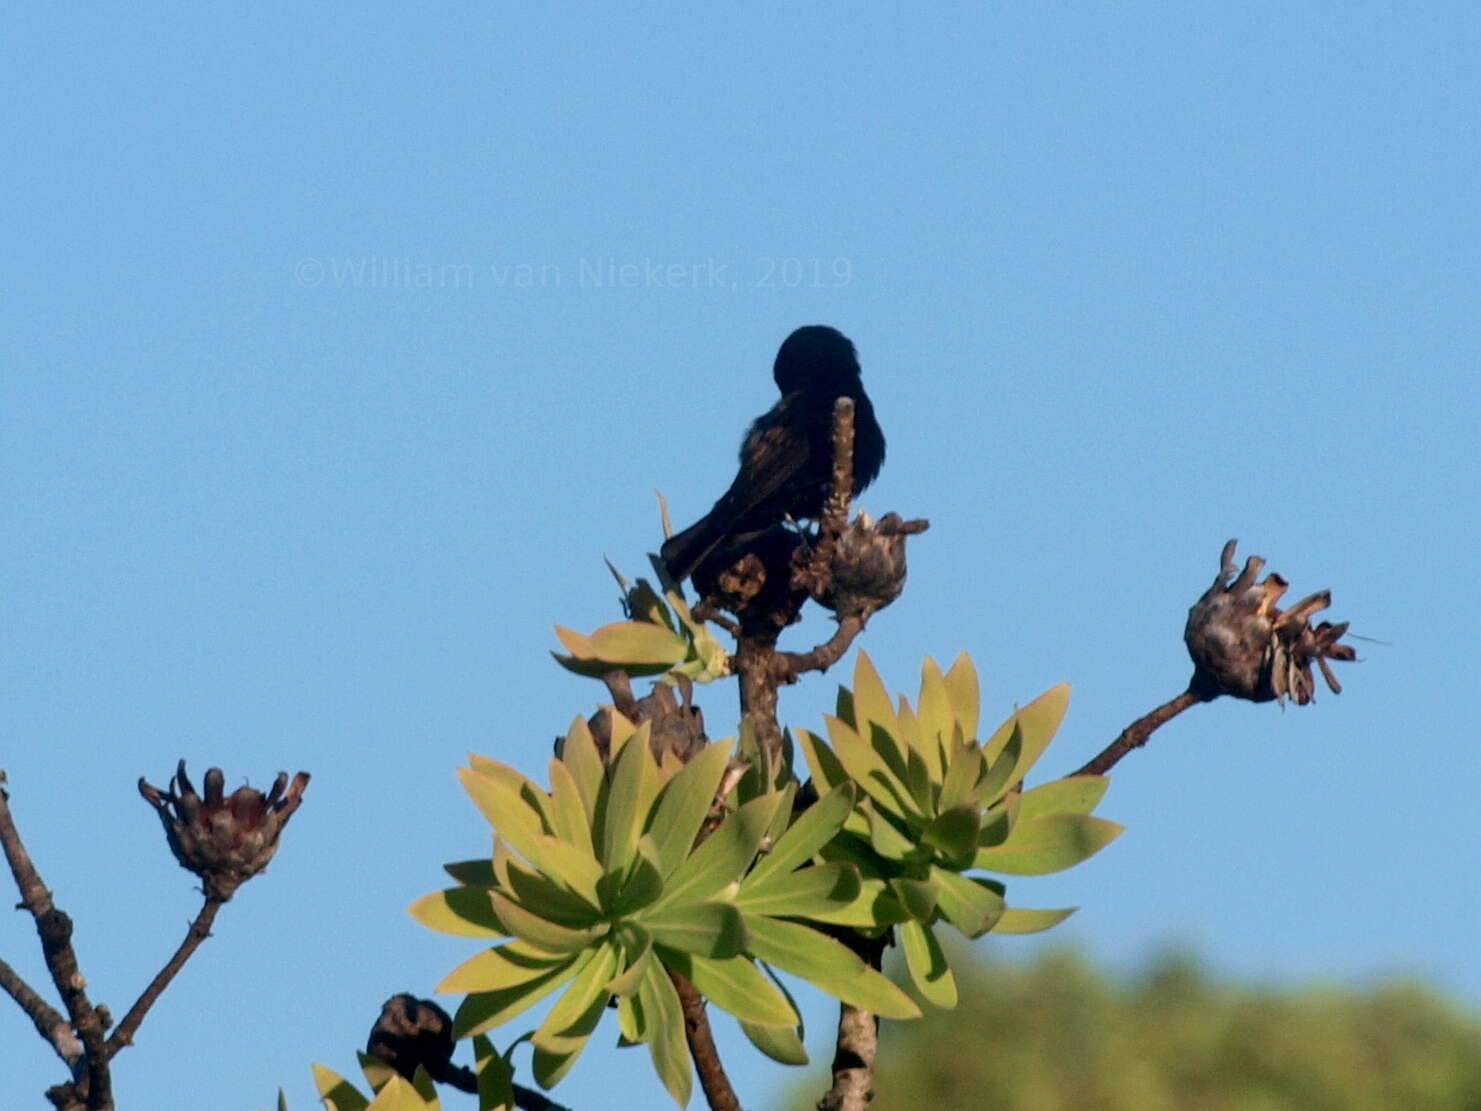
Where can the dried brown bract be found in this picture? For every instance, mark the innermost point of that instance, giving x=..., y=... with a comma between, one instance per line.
x=867, y=568
x=675, y=726
x=1244, y=645
x=224, y=839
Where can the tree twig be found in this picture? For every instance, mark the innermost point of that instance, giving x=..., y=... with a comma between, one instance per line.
x=1135, y=735
x=55, y=931
x=858, y=1042
x=791, y=665
x=199, y=930
x=717, y=1088
x=47, y=1019
x=465, y=1079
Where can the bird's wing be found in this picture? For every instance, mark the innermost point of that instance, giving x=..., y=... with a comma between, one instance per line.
x=774, y=452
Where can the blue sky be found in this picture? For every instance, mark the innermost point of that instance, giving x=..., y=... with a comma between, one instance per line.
x=314, y=418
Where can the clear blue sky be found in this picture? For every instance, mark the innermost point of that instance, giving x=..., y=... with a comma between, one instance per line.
x=1125, y=284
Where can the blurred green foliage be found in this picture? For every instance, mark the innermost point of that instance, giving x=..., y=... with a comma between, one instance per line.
x=1060, y=1035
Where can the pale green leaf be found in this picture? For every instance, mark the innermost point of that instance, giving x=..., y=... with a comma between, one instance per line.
x=1048, y=844
x=805, y=838
x=683, y=804
x=827, y=964
x=1038, y=722
x=1079, y=794
x=738, y=986
x=504, y=966
x=710, y=929
x=927, y=964
x=483, y=1010
x=871, y=700
x=961, y=685
x=541, y=932
x=801, y=894
x=724, y=856
x=460, y=911
x=663, y=1022
x=1018, y=920
x=781, y=1043
x=337, y=1093
x=822, y=762
x=637, y=642
x=968, y=904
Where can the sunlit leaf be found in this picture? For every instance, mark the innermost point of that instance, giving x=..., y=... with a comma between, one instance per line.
x=461, y=911
x=483, y=1010
x=633, y=789
x=739, y=987
x=935, y=716
x=579, y=753
x=541, y=932
x=685, y=801
x=505, y=810
x=663, y=1020
x=871, y=700
x=1018, y=920
x=1048, y=844
x=710, y=929
x=827, y=964
x=822, y=762
x=637, y=642
x=927, y=964
x=1038, y=722
x=961, y=685
x=1079, y=794
x=725, y=854
x=967, y=903
x=803, y=893
x=504, y=966
x=337, y=1093
x=805, y=838
x=781, y=1043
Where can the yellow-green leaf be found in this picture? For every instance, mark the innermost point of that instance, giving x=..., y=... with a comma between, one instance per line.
x=961, y=685
x=1038, y=722
x=1079, y=794
x=637, y=642
x=1018, y=920
x=337, y=1093
x=1048, y=844
x=541, y=932
x=460, y=911
x=927, y=964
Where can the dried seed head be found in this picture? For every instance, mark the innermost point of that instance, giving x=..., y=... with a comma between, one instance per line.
x=1242, y=644
x=867, y=571
x=224, y=839
x=412, y=1032
x=675, y=726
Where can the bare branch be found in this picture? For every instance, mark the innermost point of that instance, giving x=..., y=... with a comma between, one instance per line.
x=717, y=1088
x=858, y=1042
x=792, y=665
x=1136, y=734
x=47, y=1019
x=55, y=931
x=199, y=930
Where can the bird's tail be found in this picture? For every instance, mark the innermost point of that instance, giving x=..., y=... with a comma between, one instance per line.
x=684, y=551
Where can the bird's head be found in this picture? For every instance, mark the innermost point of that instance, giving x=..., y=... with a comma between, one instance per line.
x=816, y=357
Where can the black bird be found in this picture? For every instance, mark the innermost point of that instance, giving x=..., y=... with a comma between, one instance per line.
x=786, y=459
